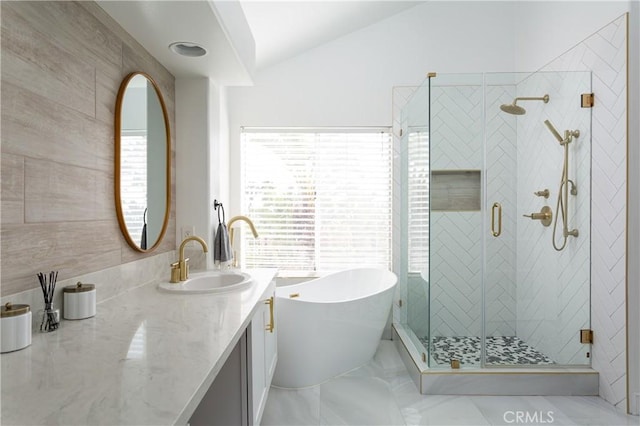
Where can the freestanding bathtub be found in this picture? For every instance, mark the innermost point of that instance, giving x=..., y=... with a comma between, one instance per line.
x=330, y=325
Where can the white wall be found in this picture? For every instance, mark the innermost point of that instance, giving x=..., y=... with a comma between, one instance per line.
x=195, y=118
x=348, y=82
x=546, y=29
x=218, y=156
x=202, y=162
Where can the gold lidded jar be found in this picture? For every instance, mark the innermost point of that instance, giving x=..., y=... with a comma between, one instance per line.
x=79, y=301
x=16, y=327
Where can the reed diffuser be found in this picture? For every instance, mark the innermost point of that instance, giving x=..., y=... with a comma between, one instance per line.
x=50, y=315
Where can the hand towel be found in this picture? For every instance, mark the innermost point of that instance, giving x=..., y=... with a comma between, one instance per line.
x=143, y=239
x=221, y=245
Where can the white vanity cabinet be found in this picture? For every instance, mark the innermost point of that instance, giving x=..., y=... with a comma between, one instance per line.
x=262, y=353
x=239, y=392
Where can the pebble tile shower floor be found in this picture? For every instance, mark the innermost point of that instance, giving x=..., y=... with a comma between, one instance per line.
x=501, y=350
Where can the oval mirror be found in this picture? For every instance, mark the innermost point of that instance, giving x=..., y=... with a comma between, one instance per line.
x=142, y=162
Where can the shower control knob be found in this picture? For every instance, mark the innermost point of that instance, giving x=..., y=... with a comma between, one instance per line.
x=544, y=216
x=544, y=193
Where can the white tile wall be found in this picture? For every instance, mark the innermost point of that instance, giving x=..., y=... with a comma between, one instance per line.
x=605, y=54
x=552, y=286
x=456, y=274
x=500, y=255
x=456, y=268
x=456, y=244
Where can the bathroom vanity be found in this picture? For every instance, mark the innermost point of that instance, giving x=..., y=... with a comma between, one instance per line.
x=150, y=357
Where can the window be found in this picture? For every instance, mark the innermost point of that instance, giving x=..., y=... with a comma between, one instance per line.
x=320, y=199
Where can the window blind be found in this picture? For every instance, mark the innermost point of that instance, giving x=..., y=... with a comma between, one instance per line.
x=320, y=199
x=418, y=199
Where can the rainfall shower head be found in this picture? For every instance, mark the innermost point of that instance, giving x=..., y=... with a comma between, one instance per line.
x=513, y=108
x=517, y=109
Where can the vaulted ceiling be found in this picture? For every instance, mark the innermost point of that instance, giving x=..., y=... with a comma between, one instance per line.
x=242, y=37
x=283, y=29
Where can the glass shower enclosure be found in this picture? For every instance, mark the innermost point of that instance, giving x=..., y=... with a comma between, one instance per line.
x=496, y=220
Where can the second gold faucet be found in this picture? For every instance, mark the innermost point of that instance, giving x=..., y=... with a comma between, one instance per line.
x=230, y=227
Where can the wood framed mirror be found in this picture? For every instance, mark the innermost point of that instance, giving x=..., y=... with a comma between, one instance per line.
x=142, y=162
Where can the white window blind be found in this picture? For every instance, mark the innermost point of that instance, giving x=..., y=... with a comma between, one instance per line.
x=418, y=198
x=320, y=199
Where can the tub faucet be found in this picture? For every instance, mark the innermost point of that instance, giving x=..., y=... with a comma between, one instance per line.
x=230, y=227
x=180, y=269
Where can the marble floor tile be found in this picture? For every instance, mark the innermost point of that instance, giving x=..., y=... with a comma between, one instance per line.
x=292, y=407
x=438, y=409
x=591, y=410
x=382, y=393
x=508, y=410
x=386, y=365
x=351, y=400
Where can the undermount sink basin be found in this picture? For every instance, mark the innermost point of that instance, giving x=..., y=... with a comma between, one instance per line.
x=210, y=282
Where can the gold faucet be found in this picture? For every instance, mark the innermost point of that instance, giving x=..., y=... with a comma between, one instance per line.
x=180, y=269
x=229, y=227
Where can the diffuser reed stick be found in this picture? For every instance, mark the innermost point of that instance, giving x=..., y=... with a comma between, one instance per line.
x=50, y=316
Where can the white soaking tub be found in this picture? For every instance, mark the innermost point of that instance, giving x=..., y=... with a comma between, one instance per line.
x=330, y=325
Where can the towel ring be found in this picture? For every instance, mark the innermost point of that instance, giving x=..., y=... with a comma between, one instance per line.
x=217, y=204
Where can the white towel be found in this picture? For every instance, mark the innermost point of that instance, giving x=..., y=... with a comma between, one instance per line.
x=222, y=246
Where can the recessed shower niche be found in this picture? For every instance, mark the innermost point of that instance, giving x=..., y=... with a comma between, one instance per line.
x=455, y=190
x=483, y=285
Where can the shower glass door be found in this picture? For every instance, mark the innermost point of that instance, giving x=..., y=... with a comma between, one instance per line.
x=536, y=297
x=456, y=220
x=414, y=274
x=484, y=285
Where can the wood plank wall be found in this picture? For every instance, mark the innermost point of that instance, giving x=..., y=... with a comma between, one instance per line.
x=62, y=64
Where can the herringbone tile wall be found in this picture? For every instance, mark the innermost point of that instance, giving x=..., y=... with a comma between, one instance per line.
x=456, y=243
x=605, y=54
x=456, y=237
x=501, y=187
x=553, y=286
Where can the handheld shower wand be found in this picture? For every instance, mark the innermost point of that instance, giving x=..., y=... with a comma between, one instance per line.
x=562, y=206
x=553, y=130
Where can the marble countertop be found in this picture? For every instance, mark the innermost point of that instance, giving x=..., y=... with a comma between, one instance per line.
x=146, y=358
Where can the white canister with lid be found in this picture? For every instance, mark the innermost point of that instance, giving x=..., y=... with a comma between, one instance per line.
x=16, y=327
x=79, y=301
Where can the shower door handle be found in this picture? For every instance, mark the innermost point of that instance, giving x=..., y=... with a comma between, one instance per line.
x=498, y=207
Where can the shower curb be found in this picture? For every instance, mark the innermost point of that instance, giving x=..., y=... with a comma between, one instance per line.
x=496, y=381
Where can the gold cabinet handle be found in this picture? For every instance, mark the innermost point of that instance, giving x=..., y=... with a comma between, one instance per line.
x=272, y=323
x=494, y=232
